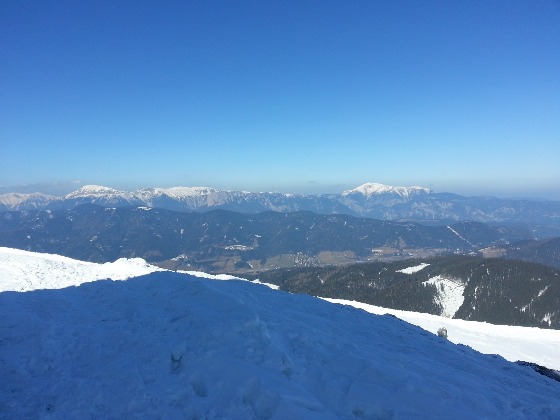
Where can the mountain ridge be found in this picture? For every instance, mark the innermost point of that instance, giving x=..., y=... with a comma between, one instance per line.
x=373, y=200
x=261, y=241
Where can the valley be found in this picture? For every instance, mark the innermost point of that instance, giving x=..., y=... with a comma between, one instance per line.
x=218, y=240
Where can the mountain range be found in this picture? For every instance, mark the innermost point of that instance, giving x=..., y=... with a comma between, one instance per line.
x=373, y=200
x=225, y=241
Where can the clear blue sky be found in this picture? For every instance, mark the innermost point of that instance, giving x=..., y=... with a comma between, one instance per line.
x=292, y=96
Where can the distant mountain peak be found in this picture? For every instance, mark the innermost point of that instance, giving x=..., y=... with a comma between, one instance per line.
x=188, y=191
x=101, y=194
x=94, y=190
x=12, y=200
x=373, y=188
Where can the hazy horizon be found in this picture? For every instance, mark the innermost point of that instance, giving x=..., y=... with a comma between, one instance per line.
x=293, y=96
x=61, y=189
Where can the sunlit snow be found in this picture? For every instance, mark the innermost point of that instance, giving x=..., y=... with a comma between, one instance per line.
x=511, y=342
x=170, y=345
x=449, y=294
x=24, y=270
x=414, y=269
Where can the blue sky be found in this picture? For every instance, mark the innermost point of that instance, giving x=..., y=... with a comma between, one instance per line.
x=292, y=96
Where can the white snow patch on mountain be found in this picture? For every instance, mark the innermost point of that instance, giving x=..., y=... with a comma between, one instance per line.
x=450, y=294
x=412, y=270
x=374, y=188
x=514, y=343
x=169, y=345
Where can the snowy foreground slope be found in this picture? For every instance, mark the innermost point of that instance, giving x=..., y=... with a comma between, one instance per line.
x=22, y=270
x=172, y=345
x=535, y=345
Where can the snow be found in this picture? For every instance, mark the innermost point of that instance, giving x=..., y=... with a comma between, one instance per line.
x=100, y=193
x=459, y=235
x=171, y=345
x=450, y=294
x=23, y=270
x=204, y=275
x=374, y=188
x=272, y=286
x=412, y=270
x=95, y=190
x=178, y=192
x=511, y=342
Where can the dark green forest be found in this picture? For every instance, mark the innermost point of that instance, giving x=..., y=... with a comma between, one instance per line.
x=498, y=291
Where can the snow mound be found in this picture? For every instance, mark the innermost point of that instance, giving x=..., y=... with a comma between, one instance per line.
x=169, y=345
x=23, y=270
x=412, y=270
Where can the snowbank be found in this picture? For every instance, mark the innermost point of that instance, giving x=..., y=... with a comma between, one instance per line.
x=23, y=270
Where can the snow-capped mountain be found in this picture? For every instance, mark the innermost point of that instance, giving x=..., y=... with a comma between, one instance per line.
x=373, y=188
x=172, y=345
x=103, y=196
x=372, y=200
x=17, y=201
x=198, y=198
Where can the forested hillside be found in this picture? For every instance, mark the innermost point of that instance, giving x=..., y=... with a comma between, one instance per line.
x=493, y=290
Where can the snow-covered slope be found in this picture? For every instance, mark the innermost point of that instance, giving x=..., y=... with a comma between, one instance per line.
x=450, y=294
x=534, y=345
x=23, y=271
x=449, y=291
x=169, y=345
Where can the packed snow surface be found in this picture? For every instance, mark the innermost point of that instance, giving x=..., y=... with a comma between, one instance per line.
x=412, y=270
x=170, y=345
